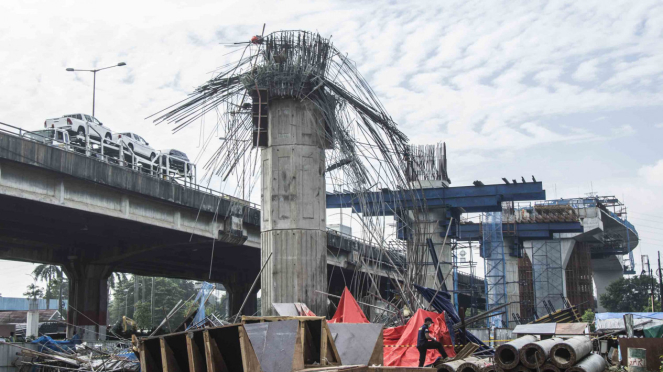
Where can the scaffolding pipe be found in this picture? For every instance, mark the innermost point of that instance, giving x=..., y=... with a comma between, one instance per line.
x=591, y=363
x=474, y=365
x=534, y=355
x=566, y=354
x=454, y=366
x=507, y=355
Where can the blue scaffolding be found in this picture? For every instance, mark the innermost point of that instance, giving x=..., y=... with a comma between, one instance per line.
x=492, y=251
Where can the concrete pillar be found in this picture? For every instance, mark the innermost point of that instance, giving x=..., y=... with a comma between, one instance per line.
x=433, y=230
x=605, y=271
x=512, y=281
x=236, y=296
x=293, y=227
x=88, y=300
x=32, y=326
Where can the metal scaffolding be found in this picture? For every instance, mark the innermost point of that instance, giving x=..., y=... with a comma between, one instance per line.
x=548, y=275
x=494, y=265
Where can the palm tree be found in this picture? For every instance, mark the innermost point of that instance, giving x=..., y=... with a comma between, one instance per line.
x=48, y=273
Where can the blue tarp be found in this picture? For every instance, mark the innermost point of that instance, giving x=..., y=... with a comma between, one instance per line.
x=204, y=292
x=442, y=302
x=59, y=346
x=605, y=316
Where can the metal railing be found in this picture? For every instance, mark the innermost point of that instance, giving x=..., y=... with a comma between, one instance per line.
x=162, y=166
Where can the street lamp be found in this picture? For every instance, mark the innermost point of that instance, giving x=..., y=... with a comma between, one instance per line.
x=94, y=83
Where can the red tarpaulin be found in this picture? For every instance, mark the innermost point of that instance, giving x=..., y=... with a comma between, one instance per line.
x=348, y=310
x=400, y=343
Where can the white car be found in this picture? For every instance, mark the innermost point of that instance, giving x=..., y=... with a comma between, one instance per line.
x=136, y=143
x=78, y=123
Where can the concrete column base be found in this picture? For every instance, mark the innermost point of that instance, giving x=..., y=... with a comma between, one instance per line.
x=236, y=295
x=88, y=300
x=296, y=270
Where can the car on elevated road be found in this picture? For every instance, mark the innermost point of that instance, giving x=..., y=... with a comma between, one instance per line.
x=79, y=124
x=177, y=159
x=137, y=144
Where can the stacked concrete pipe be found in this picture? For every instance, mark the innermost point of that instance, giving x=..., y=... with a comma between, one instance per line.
x=507, y=356
x=534, y=354
x=568, y=353
x=591, y=363
x=548, y=367
x=477, y=365
x=454, y=365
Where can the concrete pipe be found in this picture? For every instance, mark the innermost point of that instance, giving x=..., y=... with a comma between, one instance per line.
x=489, y=368
x=519, y=368
x=535, y=354
x=507, y=356
x=474, y=365
x=548, y=367
x=566, y=354
x=454, y=365
x=591, y=363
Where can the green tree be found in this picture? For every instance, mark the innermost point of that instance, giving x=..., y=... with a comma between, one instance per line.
x=33, y=292
x=143, y=315
x=629, y=294
x=50, y=273
x=588, y=317
x=167, y=292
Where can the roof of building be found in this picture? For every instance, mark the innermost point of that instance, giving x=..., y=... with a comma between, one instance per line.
x=21, y=316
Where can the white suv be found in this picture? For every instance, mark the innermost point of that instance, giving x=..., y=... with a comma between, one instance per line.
x=137, y=144
x=77, y=124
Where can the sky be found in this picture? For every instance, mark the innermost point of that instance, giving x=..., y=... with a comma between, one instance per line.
x=570, y=92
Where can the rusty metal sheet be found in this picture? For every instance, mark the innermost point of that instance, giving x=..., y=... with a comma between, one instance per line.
x=535, y=329
x=654, y=347
x=571, y=328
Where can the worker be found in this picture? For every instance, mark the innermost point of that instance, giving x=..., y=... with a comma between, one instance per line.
x=425, y=342
x=11, y=338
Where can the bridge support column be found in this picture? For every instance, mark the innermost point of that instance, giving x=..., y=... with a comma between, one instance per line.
x=293, y=229
x=88, y=300
x=236, y=295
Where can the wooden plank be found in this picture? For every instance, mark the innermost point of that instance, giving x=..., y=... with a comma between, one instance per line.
x=213, y=357
x=168, y=358
x=331, y=355
x=146, y=361
x=377, y=357
x=195, y=357
x=249, y=359
x=298, y=359
x=323, y=345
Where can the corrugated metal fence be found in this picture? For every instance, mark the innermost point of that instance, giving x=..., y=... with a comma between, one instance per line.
x=19, y=303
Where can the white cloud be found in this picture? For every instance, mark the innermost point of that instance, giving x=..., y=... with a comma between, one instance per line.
x=659, y=125
x=653, y=174
x=586, y=71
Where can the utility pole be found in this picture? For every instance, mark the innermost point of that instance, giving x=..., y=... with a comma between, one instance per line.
x=152, y=304
x=135, y=295
x=651, y=276
x=660, y=280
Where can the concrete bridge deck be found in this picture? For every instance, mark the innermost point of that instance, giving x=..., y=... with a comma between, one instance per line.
x=93, y=218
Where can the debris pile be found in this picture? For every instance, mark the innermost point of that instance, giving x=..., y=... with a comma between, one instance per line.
x=72, y=355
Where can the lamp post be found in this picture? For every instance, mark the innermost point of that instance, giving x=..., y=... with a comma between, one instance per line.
x=94, y=80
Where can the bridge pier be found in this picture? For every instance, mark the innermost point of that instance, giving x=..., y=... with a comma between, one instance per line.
x=237, y=291
x=293, y=228
x=88, y=300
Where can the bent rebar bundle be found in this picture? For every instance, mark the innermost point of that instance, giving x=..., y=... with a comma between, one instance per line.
x=365, y=151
